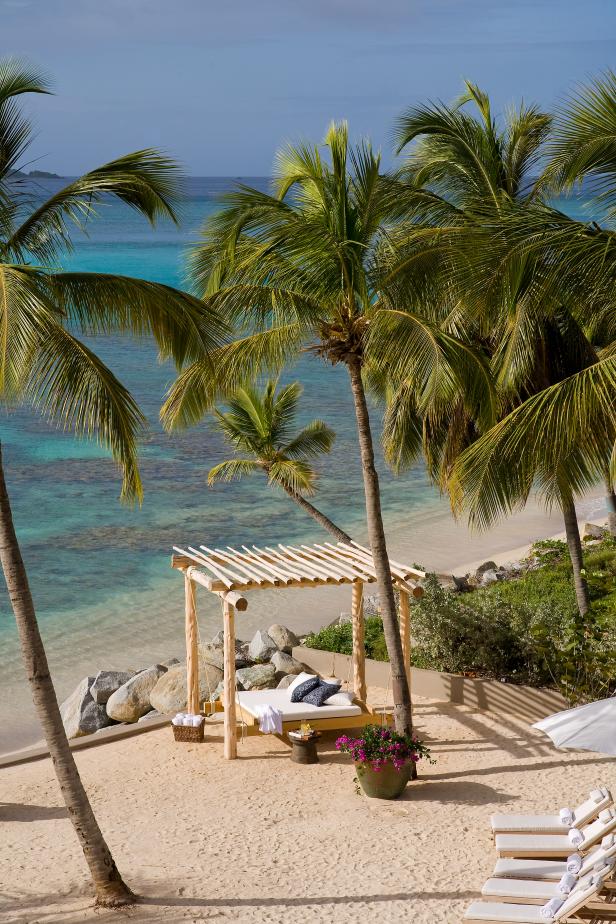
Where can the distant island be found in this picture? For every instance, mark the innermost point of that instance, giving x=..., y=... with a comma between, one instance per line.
x=36, y=175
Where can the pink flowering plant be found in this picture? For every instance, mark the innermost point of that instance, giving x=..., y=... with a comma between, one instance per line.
x=379, y=746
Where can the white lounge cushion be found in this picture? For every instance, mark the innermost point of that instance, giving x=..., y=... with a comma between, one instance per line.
x=292, y=712
x=521, y=890
x=301, y=678
x=544, y=870
x=505, y=912
x=598, y=800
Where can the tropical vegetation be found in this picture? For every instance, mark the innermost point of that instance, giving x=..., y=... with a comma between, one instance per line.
x=45, y=363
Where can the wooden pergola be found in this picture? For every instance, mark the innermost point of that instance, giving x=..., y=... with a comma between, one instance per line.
x=229, y=573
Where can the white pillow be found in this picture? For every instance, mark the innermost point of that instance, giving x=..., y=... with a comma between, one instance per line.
x=341, y=698
x=334, y=680
x=299, y=679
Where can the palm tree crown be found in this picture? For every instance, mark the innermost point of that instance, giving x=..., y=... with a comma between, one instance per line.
x=260, y=425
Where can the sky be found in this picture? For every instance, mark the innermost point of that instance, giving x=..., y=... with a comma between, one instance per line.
x=221, y=86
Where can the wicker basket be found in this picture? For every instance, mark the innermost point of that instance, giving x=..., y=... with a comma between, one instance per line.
x=188, y=732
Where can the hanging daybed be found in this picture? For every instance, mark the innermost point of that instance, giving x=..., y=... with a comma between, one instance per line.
x=228, y=573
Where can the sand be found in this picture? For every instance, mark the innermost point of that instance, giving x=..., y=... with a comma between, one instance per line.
x=264, y=840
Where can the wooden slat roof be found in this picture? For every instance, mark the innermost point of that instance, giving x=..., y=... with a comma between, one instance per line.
x=254, y=567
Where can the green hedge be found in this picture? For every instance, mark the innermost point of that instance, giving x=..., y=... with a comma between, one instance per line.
x=525, y=630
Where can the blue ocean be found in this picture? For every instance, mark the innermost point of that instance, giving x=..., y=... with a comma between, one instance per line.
x=100, y=571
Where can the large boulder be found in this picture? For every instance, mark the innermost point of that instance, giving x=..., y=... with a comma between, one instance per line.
x=594, y=531
x=490, y=576
x=80, y=714
x=259, y=677
x=107, y=682
x=212, y=654
x=285, y=664
x=169, y=694
x=486, y=566
x=132, y=699
x=262, y=646
x=283, y=638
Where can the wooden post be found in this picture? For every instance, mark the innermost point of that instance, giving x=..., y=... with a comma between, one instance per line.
x=359, y=654
x=229, y=682
x=192, y=648
x=405, y=632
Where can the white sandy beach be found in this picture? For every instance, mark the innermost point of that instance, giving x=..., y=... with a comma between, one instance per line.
x=262, y=839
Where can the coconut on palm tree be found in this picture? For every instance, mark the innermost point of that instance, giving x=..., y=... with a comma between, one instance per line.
x=44, y=364
x=260, y=426
x=312, y=266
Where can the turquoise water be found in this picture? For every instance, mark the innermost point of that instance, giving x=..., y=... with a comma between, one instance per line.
x=99, y=570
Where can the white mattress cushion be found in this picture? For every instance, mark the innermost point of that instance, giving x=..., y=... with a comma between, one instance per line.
x=505, y=912
x=539, y=823
x=521, y=889
x=546, y=870
x=538, y=844
x=291, y=712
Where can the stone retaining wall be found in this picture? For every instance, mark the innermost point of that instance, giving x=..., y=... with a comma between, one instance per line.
x=526, y=703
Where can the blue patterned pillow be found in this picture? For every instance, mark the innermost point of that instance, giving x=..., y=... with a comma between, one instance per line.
x=300, y=691
x=318, y=696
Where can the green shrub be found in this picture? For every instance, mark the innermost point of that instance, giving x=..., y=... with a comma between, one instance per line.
x=525, y=630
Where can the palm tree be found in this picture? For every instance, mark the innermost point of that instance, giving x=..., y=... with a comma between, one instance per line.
x=259, y=424
x=45, y=365
x=557, y=440
x=312, y=267
x=532, y=333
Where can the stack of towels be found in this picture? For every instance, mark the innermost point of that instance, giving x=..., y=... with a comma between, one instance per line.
x=187, y=718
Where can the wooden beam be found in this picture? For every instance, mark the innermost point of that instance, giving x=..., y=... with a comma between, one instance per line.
x=405, y=632
x=192, y=648
x=231, y=596
x=359, y=653
x=230, y=722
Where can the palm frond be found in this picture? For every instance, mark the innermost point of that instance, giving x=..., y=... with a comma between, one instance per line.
x=233, y=470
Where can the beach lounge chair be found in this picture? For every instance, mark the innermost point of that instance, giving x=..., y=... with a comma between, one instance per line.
x=531, y=892
x=553, y=870
x=556, y=845
x=598, y=800
x=514, y=913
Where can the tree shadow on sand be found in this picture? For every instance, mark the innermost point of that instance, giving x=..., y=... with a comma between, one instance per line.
x=16, y=811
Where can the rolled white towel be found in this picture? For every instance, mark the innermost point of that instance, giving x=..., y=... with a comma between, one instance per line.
x=566, y=816
x=187, y=720
x=575, y=837
x=197, y=720
x=177, y=721
x=552, y=907
x=574, y=863
x=566, y=883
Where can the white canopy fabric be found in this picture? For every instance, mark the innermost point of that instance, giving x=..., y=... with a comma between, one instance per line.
x=590, y=728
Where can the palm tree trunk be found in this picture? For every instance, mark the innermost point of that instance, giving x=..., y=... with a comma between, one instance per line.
x=109, y=886
x=403, y=717
x=610, y=500
x=575, y=553
x=324, y=521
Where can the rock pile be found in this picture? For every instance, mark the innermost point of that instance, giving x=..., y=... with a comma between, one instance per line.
x=111, y=697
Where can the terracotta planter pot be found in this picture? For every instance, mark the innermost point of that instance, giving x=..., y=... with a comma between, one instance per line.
x=387, y=783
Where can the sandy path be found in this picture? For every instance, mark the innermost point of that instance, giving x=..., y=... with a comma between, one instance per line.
x=265, y=840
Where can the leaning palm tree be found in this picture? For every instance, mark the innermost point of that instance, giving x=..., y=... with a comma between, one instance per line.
x=44, y=365
x=259, y=425
x=311, y=267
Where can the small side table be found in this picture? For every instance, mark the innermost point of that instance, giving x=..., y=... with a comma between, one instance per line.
x=304, y=750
